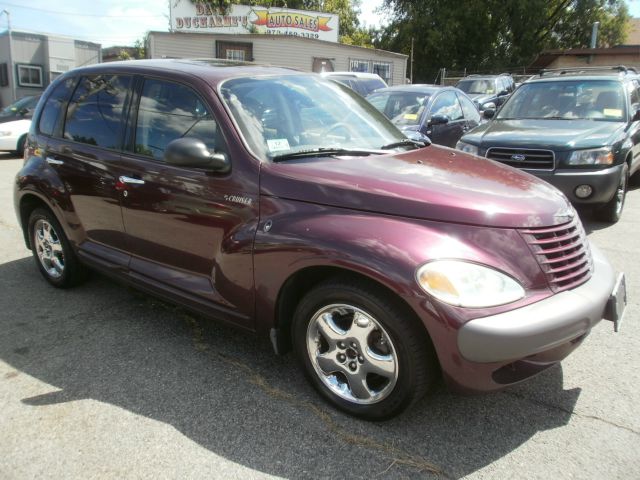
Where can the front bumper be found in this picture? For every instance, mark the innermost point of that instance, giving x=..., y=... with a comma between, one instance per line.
x=603, y=181
x=503, y=349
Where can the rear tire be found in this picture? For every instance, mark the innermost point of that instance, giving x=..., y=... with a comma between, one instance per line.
x=52, y=251
x=360, y=349
x=611, y=211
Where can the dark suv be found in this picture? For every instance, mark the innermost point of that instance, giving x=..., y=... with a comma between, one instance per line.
x=285, y=204
x=577, y=129
x=487, y=91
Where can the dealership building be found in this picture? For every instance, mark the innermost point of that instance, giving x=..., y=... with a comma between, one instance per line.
x=30, y=61
x=303, y=40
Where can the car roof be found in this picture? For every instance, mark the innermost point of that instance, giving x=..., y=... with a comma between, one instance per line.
x=212, y=70
x=619, y=73
x=417, y=88
x=486, y=77
x=351, y=74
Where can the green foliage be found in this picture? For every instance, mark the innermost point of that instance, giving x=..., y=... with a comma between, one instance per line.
x=483, y=35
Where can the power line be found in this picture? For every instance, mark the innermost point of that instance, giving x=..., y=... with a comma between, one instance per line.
x=76, y=14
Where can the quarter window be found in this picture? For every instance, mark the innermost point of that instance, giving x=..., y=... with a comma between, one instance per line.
x=94, y=114
x=53, y=107
x=447, y=104
x=169, y=111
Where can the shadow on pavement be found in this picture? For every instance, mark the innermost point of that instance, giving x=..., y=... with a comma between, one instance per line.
x=228, y=392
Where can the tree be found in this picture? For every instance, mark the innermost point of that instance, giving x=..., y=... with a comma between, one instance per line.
x=485, y=35
x=348, y=11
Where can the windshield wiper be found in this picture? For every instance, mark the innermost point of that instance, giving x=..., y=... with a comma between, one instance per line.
x=407, y=142
x=325, y=152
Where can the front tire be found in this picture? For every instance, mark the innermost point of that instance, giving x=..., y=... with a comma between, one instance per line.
x=611, y=211
x=360, y=348
x=52, y=251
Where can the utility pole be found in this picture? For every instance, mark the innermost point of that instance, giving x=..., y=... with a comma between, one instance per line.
x=11, y=65
x=411, y=65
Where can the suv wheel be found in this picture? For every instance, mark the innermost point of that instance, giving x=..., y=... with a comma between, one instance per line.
x=612, y=211
x=52, y=251
x=360, y=351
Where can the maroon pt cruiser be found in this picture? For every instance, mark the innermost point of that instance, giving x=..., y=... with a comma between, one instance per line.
x=285, y=204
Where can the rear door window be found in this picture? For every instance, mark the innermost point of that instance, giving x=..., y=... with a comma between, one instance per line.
x=169, y=111
x=95, y=112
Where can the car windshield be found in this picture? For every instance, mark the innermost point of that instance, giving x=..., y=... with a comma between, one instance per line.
x=473, y=87
x=567, y=99
x=280, y=116
x=24, y=103
x=403, y=108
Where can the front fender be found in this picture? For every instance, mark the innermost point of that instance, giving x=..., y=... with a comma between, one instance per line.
x=384, y=248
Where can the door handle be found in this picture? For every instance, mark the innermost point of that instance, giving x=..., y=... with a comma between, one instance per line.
x=54, y=161
x=131, y=180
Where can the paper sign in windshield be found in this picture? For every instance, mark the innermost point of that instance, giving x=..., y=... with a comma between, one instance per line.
x=410, y=116
x=278, y=145
x=612, y=112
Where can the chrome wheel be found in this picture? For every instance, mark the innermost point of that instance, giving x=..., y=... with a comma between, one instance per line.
x=352, y=354
x=48, y=248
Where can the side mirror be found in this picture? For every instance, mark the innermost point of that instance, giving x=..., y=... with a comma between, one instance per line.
x=417, y=136
x=489, y=113
x=503, y=93
x=636, y=114
x=438, y=120
x=191, y=152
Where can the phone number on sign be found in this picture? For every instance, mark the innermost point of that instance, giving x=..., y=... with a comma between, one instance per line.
x=293, y=34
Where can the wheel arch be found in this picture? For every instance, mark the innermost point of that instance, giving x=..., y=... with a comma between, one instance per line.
x=28, y=203
x=305, y=279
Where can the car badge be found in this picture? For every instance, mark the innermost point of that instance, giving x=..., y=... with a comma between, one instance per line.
x=518, y=157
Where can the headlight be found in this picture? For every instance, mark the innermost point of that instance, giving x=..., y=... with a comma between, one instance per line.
x=5, y=134
x=466, y=284
x=467, y=148
x=598, y=156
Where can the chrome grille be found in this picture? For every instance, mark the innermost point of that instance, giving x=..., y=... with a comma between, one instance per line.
x=523, y=158
x=562, y=252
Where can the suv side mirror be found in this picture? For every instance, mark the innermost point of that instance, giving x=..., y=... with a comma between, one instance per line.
x=438, y=120
x=636, y=113
x=489, y=113
x=503, y=93
x=191, y=152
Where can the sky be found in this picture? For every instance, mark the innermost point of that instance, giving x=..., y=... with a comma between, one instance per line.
x=122, y=22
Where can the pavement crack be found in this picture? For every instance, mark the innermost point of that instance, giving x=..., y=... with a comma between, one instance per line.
x=570, y=412
x=397, y=456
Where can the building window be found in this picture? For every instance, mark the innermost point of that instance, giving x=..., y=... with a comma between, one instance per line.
x=384, y=70
x=29, y=76
x=237, y=55
x=359, y=66
x=236, y=51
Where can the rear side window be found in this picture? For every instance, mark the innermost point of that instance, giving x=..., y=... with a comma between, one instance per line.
x=169, y=111
x=469, y=109
x=53, y=107
x=94, y=114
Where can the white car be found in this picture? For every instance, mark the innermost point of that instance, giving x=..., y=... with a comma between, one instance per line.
x=15, y=122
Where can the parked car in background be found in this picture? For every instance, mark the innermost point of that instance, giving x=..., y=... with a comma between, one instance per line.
x=487, y=91
x=578, y=129
x=282, y=203
x=443, y=114
x=363, y=83
x=15, y=121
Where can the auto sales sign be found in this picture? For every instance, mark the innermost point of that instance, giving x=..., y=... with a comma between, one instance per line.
x=188, y=16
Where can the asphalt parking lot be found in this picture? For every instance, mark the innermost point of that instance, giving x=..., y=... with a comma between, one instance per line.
x=101, y=381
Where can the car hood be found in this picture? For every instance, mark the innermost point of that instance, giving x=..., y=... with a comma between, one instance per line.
x=556, y=135
x=433, y=183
